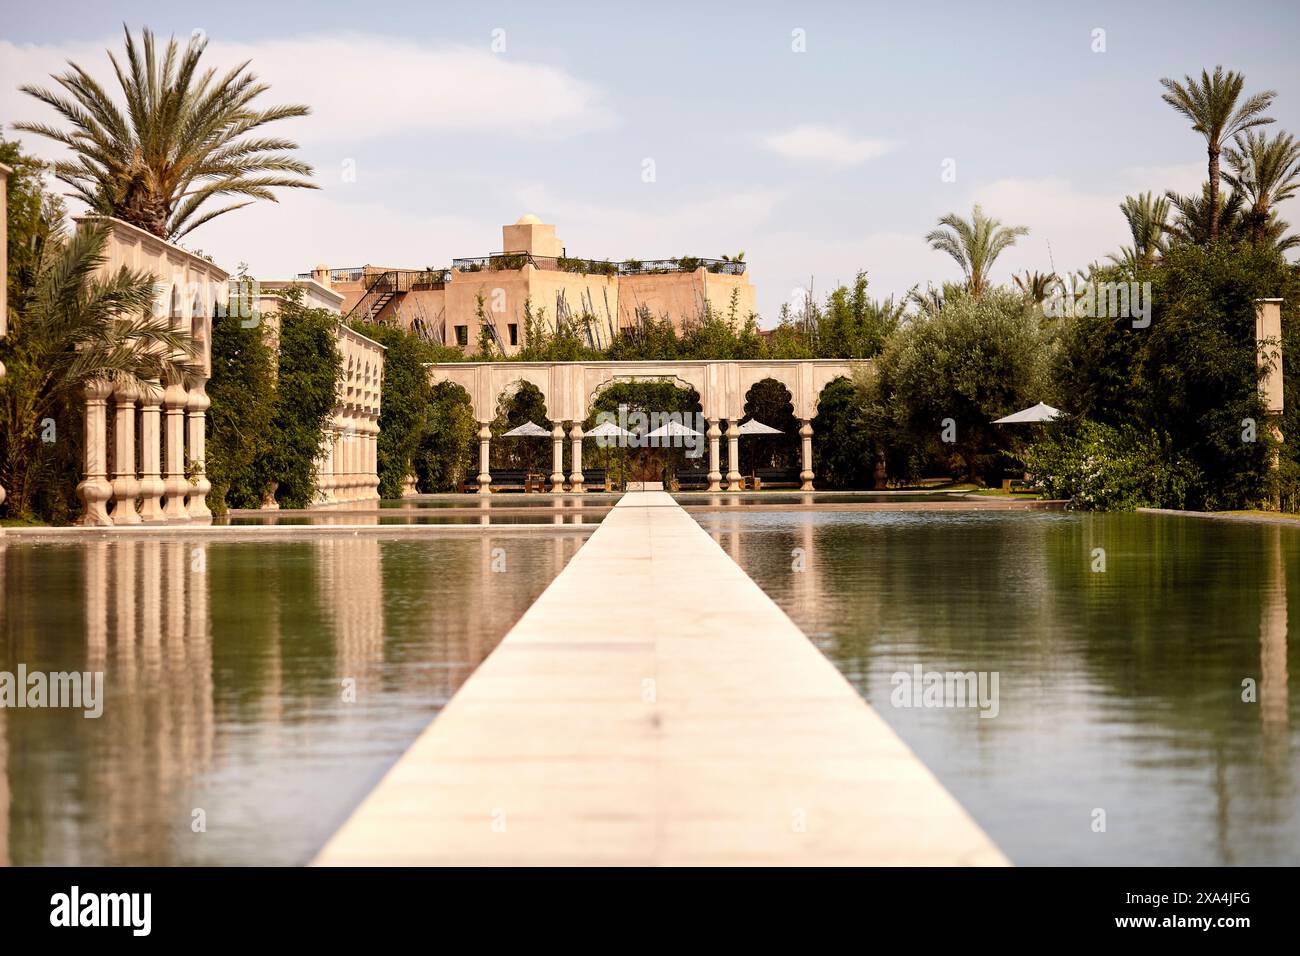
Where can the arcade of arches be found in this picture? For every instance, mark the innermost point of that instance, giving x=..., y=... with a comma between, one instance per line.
x=569, y=389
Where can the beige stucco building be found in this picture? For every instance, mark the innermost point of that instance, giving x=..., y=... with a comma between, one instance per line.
x=153, y=471
x=533, y=271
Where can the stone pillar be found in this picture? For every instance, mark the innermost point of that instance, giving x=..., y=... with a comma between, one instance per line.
x=95, y=489
x=734, y=482
x=126, y=487
x=484, y=466
x=715, y=468
x=152, y=486
x=197, y=406
x=1268, y=355
x=575, y=458
x=557, y=458
x=175, y=487
x=805, y=436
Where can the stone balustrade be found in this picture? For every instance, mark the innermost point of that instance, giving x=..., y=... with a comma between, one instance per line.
x=152, y=469
x=348, y=469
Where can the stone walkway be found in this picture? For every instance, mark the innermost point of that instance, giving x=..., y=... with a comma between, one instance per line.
x=655, y=707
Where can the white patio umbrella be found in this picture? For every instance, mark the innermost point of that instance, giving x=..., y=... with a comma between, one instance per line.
x=675, y=429
x=755, y=427
x=528, y=430
x=608, y=430
x=1038, y=413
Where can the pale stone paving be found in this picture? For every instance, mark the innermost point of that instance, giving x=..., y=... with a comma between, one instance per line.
x=654, y=706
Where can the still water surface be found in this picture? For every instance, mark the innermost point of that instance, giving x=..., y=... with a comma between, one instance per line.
x=1120, y=690
x=227, y=665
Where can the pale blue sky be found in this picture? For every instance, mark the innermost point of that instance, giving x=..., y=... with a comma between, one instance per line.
x=815, y=163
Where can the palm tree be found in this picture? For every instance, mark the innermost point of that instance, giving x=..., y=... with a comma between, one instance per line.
x=1147, y=216
x=975, y=245
x=1267, y=172
x=1211, y=105
x=1035, y=285
x=181, y=143
x=1195, y=215
x=75, y=328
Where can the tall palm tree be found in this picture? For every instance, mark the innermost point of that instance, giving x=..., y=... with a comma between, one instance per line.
x=1147, y=216
x=1194, y=215
x=181, y=142
x=1211, y=105
x=75, y=328
x=975, y=245
x=1266, y=171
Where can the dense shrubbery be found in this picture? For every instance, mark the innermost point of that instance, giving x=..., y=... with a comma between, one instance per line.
x=242, y=390
x=1098, y=466
x=945, y=375
x=424, y=430
x=270, y=406
x=1192, y=375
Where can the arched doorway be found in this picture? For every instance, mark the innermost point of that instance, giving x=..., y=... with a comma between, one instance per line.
x=641, y=407
x=771, y=458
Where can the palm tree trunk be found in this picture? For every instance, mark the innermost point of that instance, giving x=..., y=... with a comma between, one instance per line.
x=1213, y=150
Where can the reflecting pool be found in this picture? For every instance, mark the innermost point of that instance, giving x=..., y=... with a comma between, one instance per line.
x=254, y=690
x=1124, y=646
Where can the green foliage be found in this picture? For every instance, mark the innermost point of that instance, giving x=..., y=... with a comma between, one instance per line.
x=531, y=454
x=844, y=449
x=309, y=371
x=35, y=218
x=449, y=441
x=407, y=409
x=243, y=394
x=1192, y=375
x=1097, y=466
x=74, y=328
x=974, y=361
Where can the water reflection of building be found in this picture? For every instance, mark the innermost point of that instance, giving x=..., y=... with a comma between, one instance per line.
x=1274, y=696
x=147, y=627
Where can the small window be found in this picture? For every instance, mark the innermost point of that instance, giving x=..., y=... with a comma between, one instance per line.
x=514, y=334
x=462, y=335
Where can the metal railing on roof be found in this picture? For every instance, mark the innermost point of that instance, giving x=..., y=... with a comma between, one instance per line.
x=509, y=261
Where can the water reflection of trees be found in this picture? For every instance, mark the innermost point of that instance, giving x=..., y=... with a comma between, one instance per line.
x=1155, y=647
x=223, y=664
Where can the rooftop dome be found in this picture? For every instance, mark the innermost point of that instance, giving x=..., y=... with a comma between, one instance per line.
x=528, y=219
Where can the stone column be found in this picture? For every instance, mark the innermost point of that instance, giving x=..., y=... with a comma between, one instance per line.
x=175, y=487
x=95, y=489
x=197, y=406
x=126, y=487
x=152, y=486
x=1268, y=356
x=715, y=468
x=557, y=458
x=484, y=466
x=805, y=436
x=734, y=482
x=575, y=456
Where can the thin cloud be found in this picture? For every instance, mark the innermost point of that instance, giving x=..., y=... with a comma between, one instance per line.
x=360, y=87
x=811, y=142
